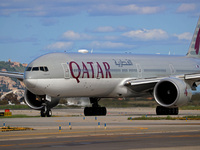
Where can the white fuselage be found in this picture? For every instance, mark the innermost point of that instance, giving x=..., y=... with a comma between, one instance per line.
x=100, y=75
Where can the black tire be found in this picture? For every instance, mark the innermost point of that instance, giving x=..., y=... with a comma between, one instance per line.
x=42, y=113
x=49, y=113
x=104, y=111
x=166, y=111
x=95, y=111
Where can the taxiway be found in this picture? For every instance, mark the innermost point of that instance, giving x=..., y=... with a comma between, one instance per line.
x=72, y=130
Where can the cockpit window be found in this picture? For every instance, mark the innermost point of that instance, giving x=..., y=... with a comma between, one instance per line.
x=46, y=69
x=41, y=68
x=35, y=69
x=28, y=68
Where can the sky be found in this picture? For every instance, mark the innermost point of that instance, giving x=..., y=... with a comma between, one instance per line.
x=30, y=28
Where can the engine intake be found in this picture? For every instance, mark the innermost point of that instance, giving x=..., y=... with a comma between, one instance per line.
x=35, y=102
x=172, y=92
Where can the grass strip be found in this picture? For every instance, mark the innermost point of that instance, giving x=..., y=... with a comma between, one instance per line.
x=18, y=116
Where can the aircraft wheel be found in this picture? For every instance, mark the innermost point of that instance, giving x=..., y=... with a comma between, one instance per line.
x=49, y=113
x=95, y=111
x=103, y=111
x=88, y=111
x=166, y=111
x=42, y=113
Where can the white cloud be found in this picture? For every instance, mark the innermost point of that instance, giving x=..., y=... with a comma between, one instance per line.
x=104, y=29
x=154, y=34
x=54, y=8
x=186, y=8
x=71, y=35
x=184, y=36
x=112, y=9
x=141, y=10
x=60, y=46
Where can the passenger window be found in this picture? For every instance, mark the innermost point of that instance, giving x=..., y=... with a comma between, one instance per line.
x=28, y=68
x=35, y=69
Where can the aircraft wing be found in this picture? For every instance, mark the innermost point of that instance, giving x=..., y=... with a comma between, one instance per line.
x=17, y=75
x=142, y=85
x=193, y=77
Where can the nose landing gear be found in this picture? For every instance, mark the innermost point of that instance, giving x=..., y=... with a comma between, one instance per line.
x=46, y=111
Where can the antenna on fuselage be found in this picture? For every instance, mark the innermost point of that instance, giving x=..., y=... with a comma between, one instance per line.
x=84, y=51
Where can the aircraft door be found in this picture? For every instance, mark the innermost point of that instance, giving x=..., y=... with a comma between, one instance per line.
x=172, y=70
x=139, y=70
x=66, y=70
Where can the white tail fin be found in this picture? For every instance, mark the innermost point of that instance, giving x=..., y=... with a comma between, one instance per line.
x=194, y=50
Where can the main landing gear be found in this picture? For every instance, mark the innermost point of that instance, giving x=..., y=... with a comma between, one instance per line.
x=46, y=111
x=166, y=111
x=96, y=109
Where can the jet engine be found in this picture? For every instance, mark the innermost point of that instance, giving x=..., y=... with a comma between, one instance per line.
x=172, y=92
x=36, y=102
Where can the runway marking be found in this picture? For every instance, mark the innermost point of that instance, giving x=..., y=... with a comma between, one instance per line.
x=78, y=132
x=57, y=142
x=102, y=139
x=25, y=144
x=143, y=128
x=164, y=136
x=7, y=145
x=153, y=136
x=185, y=136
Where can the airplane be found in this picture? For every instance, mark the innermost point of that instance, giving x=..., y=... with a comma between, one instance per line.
x=170, y=79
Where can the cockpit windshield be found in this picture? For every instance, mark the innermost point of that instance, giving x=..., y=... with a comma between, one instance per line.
x=40, y=68
x=28, y=68
x=35, y=69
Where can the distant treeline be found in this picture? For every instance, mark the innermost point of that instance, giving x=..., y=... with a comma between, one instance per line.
x=13, y=67
x=10, y=67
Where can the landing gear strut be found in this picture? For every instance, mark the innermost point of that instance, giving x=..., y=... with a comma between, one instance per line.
x=96, y=109
x=166, y=111
x=46, y=111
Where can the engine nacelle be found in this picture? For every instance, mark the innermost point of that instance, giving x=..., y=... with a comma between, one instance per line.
x=35, y=102
x=172, y=92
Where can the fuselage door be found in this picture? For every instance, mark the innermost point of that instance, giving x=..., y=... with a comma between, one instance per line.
x=66, y=70
x=139, y=70
x=172, y=70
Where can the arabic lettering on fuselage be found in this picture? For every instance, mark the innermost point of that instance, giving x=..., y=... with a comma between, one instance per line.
x=87, y=70
x=121, y=63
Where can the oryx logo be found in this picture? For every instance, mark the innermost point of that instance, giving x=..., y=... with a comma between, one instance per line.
x=186, y=92
x=197, y=42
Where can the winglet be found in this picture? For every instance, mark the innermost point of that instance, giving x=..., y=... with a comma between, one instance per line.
x=194, y=50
